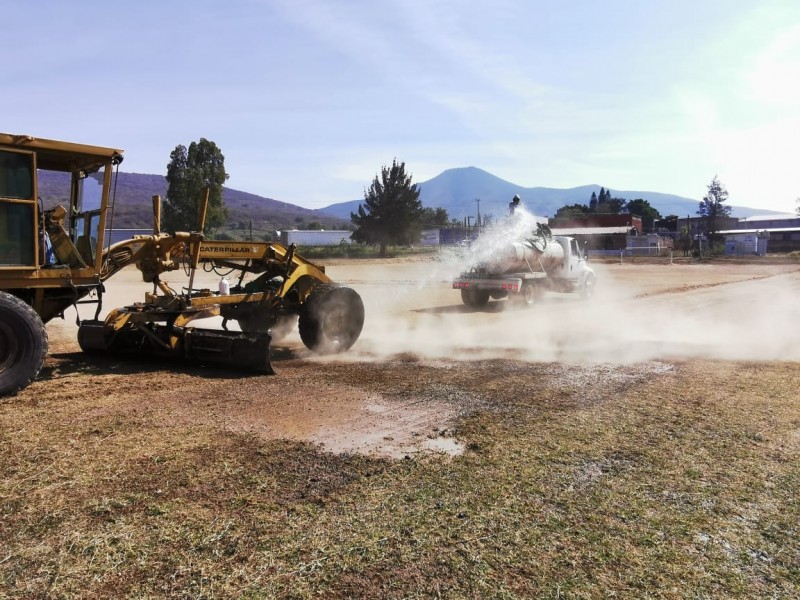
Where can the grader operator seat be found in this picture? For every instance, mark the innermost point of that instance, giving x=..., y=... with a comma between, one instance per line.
x=65, y=251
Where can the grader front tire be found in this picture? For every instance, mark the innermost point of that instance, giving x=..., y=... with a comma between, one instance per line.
x=23, y=344
x=331, y=321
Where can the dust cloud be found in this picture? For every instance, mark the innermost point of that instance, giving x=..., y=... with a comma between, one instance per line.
x=638, y=313
x=644, y=315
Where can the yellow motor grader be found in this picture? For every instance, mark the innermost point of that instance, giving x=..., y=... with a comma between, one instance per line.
x=56, y=258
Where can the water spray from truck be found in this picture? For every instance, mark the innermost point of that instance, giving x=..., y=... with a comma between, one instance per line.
x=519, y=258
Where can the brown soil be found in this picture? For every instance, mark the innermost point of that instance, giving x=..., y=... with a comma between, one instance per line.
x=642, y=318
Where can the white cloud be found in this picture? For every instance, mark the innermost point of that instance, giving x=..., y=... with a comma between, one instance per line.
x=774, y=73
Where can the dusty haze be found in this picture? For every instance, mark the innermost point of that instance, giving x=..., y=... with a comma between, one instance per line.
x=642, y=319
x=639, y=311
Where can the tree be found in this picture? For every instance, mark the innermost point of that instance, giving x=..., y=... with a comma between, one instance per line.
x=685, y=240
x=611, y=206
x=643, y=209
x=188, y=172
x=712, y=208
x=572, y=210
x=435, y=217
x=604, y=203
x=392, y=212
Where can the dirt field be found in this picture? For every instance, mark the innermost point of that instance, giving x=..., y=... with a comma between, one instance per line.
x=641, y=312
x=95, y=442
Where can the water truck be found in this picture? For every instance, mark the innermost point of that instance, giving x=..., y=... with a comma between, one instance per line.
x=522, y=269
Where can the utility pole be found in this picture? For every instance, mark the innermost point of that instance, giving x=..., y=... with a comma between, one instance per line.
x=478, y=200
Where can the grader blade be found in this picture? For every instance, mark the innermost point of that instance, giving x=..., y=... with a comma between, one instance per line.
x=229, y=348
x=233, y=349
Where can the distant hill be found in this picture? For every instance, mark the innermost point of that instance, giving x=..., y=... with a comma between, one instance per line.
x=456, y=191
x=133, y=209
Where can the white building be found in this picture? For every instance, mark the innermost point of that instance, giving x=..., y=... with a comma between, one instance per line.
x=315, y=237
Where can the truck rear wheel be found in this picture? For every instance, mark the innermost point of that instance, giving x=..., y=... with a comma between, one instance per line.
x=23, y=344
x=530, y=293
x=331, y=321
x=475, y=298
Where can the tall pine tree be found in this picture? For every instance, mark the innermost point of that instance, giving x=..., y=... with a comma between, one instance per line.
x=188, y=172
x=392, y=211
x=713, y=210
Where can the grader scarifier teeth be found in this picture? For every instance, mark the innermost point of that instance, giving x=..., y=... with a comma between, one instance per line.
x=233, y=349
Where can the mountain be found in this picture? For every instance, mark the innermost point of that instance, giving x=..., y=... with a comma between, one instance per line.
x=134, y=209
x=456, y=190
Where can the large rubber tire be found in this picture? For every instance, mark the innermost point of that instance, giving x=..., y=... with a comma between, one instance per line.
x=475, y=298
x=331, y=320
x=530, y=294
x=587, y=289
x=23, y=344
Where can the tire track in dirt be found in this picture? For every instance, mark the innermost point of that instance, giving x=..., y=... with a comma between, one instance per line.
x=701, y=286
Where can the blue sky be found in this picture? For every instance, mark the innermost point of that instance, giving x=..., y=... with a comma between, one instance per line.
x=308, y=99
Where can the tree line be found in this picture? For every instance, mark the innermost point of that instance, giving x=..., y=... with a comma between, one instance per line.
x=604, y=204
x=392, y=213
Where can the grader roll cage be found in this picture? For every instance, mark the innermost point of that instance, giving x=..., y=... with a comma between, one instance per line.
x=57, y=258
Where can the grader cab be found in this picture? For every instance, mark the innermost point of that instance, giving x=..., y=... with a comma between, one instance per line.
x=60, y=257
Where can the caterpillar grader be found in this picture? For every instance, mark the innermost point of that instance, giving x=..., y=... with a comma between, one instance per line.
x=55, y=258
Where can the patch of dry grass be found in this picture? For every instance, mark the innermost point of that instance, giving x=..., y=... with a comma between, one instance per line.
x=638, y=481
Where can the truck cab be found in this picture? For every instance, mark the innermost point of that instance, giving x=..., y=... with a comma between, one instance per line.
x=573, y=274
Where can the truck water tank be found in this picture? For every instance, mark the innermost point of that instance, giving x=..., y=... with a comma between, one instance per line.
x=518, y=257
